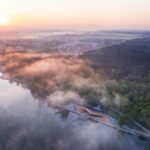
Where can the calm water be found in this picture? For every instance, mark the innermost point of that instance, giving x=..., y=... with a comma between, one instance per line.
x=27, y=124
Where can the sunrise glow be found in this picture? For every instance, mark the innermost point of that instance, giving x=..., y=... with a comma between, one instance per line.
x=4, y=21
x=75, y=13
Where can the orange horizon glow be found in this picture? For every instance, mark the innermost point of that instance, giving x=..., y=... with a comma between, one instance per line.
x=75, y=13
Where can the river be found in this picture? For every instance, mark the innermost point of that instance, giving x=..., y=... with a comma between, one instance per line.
x=26, y=124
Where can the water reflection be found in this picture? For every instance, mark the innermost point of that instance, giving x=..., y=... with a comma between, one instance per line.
x=28, y=124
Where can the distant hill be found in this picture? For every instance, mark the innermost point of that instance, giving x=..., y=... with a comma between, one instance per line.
x=129, y=64
x=119, y=61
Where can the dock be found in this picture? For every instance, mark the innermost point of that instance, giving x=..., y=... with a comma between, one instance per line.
x=104, y=119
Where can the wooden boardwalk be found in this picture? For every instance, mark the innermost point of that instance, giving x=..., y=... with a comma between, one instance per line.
x=104, y=119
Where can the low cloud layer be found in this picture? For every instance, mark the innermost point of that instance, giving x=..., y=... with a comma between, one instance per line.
x=25, y=125
x=54, y=80
x=51, y=76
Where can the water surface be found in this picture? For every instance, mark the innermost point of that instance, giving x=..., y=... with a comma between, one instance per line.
x=26, y=124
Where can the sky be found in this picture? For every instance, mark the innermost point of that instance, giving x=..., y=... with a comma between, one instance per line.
x=75, y=14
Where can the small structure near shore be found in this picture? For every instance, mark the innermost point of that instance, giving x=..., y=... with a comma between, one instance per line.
x=101, y=118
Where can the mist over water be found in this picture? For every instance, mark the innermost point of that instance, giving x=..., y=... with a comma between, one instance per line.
x=27, y=124
x=31, y=88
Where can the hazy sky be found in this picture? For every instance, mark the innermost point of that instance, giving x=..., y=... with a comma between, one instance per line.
x=76, y=13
